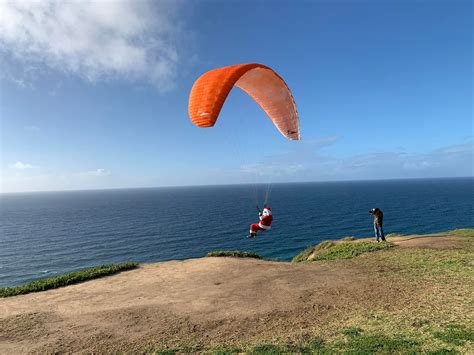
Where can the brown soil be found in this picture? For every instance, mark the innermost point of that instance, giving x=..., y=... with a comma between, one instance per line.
x=201, y=302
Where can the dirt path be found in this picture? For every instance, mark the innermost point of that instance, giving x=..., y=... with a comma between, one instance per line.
x=210, y=301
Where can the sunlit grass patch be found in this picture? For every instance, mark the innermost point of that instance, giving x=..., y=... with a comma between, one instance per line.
x=455, y=334
x=360, y=343
x=226, y=351
x=350, y=250
x=315, y=346
x=309, y=251
x=463, y=232
x=269, y=349
x=431, y=262
x=329, y=250
x=352, y=332
x=67, y=279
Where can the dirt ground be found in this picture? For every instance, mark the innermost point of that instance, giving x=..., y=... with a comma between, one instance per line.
x=208, y=301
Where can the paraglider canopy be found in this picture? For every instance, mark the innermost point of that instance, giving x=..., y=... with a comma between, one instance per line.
x=260, y=82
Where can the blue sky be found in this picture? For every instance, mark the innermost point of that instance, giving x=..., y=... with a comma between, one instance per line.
x=94, y=94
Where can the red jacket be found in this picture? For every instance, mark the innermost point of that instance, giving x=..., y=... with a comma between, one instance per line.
x=265, y=221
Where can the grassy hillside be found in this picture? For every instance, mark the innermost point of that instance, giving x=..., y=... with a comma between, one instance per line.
x=345, y=249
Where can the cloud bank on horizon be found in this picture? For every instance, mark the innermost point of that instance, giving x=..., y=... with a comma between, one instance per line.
x=93, y=40
x=307, y=162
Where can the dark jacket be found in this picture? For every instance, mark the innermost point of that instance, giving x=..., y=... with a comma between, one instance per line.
x=378, y=217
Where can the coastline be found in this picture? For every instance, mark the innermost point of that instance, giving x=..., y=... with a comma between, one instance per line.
x=412, y=297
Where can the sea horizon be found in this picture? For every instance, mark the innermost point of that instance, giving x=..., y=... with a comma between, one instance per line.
x=241, y=184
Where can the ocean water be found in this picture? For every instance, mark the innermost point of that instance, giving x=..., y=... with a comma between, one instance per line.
x=43, y=234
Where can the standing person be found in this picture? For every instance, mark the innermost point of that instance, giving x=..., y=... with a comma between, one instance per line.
x=378, y=223
x=266, y=218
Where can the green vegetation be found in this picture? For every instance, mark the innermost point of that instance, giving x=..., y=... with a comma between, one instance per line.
x=314, y=346
x=360, y=343
x=352, y=332
x=67, y=279
x=455, y=334
x=306, y=254
x=226, y=351
x=353, y=341
x=431, y=264
x=329, y=250
x=327, y=244
x=463, y=232
x=350, y=250
x=269, y=349
x=310, y=347
x=234, y=254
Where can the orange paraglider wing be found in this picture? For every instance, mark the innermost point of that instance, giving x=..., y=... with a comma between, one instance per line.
x=261, y=83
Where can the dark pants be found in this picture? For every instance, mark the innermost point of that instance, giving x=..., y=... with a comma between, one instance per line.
x=379, y=233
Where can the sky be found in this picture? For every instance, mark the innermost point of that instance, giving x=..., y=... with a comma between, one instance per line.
x=94, y=94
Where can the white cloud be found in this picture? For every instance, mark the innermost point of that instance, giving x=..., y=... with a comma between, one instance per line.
x=95, y=40
x=271, y=170
x=308, y=163
x=322, y=142
x=51, y=181
x=21, y=166
x=97, y=172
x=419, y=165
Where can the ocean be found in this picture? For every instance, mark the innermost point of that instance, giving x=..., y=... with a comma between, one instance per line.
x=43, y=234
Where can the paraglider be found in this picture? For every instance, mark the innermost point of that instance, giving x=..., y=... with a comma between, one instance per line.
x=261, y=83
x=265, y=87
x=265, y=223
